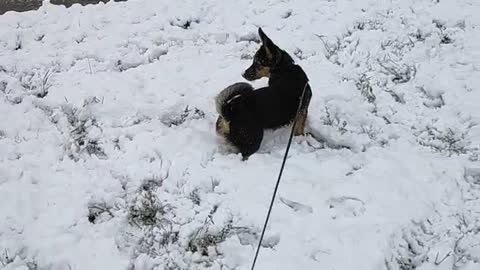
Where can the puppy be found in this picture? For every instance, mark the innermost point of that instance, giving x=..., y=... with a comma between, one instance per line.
x=244, y=113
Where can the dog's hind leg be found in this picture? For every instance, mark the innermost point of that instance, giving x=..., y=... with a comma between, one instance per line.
x=222, y=127
x=247, y=138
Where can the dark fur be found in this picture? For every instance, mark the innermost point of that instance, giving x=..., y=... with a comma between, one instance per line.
x=245, y=113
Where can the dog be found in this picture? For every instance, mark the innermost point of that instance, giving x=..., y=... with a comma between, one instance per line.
x=244, y=112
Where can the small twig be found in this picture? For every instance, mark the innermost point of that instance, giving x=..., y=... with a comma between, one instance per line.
x=103, y=209
x=331, y=50
x=437, y=263
x=90, y=66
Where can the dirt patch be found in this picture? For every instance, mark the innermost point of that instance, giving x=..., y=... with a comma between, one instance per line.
x=19, y=5
x=69, y=3
x=26, y=5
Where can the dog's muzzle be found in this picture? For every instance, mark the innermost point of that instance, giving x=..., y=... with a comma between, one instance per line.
x=250, y=73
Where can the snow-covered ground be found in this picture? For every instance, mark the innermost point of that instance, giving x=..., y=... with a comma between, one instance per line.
x=109, y=158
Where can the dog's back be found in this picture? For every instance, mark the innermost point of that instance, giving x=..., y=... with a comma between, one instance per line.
x=277, y=103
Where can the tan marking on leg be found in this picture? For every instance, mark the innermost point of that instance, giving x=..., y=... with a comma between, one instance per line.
x=222, y=126
x=300, y=125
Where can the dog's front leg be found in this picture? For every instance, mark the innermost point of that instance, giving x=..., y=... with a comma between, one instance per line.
x=300, y=125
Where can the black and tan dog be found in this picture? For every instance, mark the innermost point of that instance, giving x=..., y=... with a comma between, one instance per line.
x=245, y=112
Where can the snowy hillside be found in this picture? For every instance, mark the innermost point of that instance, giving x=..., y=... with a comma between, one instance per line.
x=109, y=157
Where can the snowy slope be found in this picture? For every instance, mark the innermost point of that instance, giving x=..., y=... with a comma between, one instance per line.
x=109, y=157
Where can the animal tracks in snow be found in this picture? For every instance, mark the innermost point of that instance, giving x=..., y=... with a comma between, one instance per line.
x=344, y=206
x=297, y=207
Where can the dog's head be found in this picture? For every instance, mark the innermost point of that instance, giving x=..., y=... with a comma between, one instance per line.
x=266, y=58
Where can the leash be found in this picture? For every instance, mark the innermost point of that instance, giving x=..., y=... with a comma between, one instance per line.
x=279, y=177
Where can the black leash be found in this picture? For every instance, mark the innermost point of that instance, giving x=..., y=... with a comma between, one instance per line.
x=279, y=176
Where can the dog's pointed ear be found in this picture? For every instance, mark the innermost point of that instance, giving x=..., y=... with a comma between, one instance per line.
x=262, y=36
x=268, y=44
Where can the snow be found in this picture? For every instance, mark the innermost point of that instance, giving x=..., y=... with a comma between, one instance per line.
x=109, y=157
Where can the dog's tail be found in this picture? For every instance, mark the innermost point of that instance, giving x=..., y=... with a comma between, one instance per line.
x=225, y=100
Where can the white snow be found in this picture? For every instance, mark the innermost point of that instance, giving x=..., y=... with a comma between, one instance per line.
x=109, y=157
